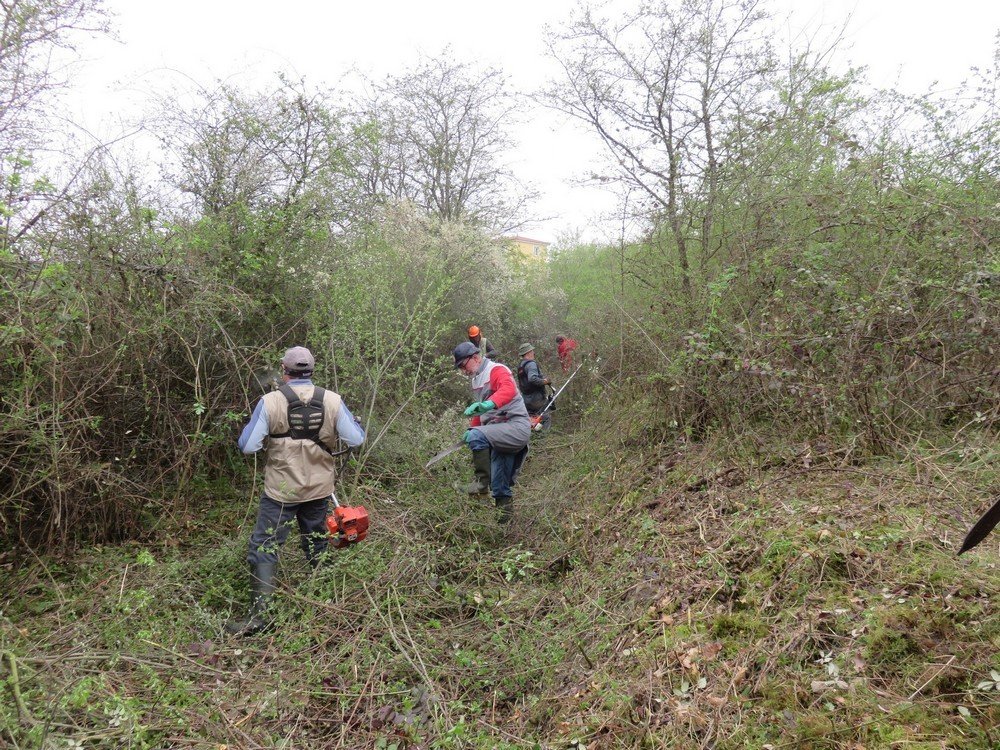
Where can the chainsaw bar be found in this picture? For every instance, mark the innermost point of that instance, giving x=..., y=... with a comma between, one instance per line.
x=983, y=527
x=445, y=453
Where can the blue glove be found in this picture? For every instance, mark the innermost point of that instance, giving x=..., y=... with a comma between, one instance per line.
x=480, y=407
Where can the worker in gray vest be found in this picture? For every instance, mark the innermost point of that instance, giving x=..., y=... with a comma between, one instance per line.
x=499, y=429
x=302, y=424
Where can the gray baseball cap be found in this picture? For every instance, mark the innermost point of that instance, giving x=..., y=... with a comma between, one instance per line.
x=298, y=360
x=463, y=351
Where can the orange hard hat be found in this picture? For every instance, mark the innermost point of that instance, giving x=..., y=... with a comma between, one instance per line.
x=473, y=330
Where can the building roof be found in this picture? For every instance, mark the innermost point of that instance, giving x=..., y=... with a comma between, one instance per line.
x=528, y=240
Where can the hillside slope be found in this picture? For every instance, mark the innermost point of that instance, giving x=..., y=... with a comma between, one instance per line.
x=650, y=594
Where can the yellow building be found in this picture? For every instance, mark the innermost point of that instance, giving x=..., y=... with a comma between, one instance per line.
x=533, y=250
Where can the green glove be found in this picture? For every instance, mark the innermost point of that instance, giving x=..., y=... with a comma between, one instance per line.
x=480, y=407
x=467, y=437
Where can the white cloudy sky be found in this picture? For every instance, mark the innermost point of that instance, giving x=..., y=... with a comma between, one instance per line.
x=161, y=45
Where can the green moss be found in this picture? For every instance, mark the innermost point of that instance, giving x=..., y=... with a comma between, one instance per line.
x=743, y=626
x=889, y=648
x=816, y=731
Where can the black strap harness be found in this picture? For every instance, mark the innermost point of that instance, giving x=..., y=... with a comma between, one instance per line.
x=305, y=418
x=527, y=387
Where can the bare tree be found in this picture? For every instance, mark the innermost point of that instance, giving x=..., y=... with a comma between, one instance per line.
x=662, y=87
x=378, y=155
x=443, y=135
x=235, y=149
x=31, y=34
x=31, y=31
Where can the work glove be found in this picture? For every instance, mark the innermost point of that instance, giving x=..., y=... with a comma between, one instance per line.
x=480, y=407
x=467, y=437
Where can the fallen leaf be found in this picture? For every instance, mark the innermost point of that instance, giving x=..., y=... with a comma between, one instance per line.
x=711, y=651
x=821, y=686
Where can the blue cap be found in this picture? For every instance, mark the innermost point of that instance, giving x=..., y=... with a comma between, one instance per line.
x=463, y=351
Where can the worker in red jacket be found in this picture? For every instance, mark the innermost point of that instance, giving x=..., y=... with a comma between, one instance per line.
x=565, y=351
x=500, y=428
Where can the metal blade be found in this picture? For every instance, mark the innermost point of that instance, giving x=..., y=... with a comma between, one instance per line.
x=445, y=453
x=561, y=388
x=983, y=527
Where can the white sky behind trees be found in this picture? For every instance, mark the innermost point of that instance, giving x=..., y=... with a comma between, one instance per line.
x=164, y=46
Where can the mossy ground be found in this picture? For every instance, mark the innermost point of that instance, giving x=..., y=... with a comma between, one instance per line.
x=650, y=595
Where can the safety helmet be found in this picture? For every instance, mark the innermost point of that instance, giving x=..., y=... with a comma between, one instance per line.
x=473, y=330
x=463, y=351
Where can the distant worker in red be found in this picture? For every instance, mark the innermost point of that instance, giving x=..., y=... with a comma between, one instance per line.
x=485, y=347
x=565, y=350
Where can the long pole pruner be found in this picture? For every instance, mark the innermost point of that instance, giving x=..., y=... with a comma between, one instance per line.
x=561, y=388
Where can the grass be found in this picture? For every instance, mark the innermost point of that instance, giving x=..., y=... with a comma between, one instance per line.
x=795, y=606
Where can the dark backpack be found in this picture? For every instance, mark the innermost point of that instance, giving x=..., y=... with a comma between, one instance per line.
x=527, y=387
x=305, y=418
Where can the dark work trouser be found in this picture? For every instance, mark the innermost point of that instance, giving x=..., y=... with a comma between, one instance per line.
x=504, y=467
x=274, y=522
x=535, y=402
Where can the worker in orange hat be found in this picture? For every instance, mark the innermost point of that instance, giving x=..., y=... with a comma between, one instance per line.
x=485, y=347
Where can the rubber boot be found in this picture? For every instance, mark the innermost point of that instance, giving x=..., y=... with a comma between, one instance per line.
x=262, y=584
x=506, y=507
x=481, y=464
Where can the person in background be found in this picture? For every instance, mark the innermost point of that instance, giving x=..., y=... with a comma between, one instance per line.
x=564, y=348
x=302, y=424
x=500, y=427
x=532, y=383
x=485, y=347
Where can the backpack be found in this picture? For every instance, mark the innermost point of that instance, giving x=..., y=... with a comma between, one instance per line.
x=305, y=418
x=527, y=387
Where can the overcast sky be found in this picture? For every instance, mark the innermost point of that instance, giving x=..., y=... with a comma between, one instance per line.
x=166, y=45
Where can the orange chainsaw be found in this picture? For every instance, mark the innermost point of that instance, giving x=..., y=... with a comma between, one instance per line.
x=347, y=524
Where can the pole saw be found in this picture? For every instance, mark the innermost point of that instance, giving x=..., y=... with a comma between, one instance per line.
x=536, y=423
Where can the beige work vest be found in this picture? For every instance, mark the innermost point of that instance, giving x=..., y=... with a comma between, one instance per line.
x=299, y=470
